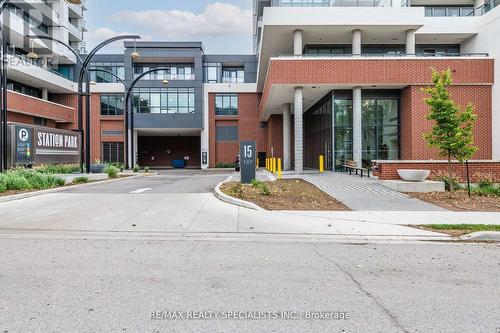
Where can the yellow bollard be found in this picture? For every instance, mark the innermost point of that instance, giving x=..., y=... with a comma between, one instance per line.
x=257, y=163
x=279, y=168
x=266, y=163
x=321, y=163
x=274, y=164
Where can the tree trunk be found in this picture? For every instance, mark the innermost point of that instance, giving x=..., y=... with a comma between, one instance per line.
x=450, y=179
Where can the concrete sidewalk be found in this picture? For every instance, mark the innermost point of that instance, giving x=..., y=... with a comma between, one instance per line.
x=365, y=194
x=190, y=213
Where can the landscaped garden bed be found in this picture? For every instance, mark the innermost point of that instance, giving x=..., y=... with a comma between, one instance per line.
x=284, y=194
x=459, y=201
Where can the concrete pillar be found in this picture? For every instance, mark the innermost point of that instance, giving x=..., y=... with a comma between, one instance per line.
x=45, y=94
x=357, y=130
x=299, y=141
x=287, y=146
x=356, y=42
x=410, y=42
x=297, y=42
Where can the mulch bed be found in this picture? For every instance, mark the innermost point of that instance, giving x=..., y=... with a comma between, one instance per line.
x=286, y=194
x=459, y=201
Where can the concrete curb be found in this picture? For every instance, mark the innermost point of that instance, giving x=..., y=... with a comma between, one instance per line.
x=233, y=201
x=271, y=176
x=60, y=189
x=492, y=236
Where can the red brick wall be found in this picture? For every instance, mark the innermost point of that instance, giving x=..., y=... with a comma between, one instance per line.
x=24, y=104
x=275, y=136
x=248, y=124
x=26, y=119
x=102, y=123
x=389, y=170
x=414, y=123
x=374, y=72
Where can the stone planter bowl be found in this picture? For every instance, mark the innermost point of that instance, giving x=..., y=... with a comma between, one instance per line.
x=413, y=175
x=97, y=168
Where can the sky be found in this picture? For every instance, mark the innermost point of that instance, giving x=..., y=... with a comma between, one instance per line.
x=224, y=26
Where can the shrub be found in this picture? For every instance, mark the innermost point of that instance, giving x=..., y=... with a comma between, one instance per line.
x=80, y=180
x=112, y=171
x=118, y=165
x=20, y=179
x=264, y=189
x=488, y=191
x=136, y=168
x=146, y=169
x=484, y=180
x=58, y=168
x=450, y=182
x=225, y=165
x=3, y=185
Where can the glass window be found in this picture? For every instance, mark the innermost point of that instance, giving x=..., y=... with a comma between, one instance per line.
x=226, y=104
x=113, y=152
x=112, y=104
x=226, y=133
x=164, y=100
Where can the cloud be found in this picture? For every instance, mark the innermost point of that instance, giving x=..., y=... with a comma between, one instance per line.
x=218, y=19
x=95, y=37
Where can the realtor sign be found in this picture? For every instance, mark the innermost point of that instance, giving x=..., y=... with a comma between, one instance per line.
x=34, y=145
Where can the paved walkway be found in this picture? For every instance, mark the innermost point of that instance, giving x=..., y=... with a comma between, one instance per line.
x=365, y=194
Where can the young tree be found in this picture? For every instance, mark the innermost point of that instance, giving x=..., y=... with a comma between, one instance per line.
x=452, y=131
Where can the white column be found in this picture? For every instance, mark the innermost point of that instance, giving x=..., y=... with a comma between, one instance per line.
x=356, y=125
x=45, y=94
x=297, y=42
x=287, y=147
x=356, y=42
x=299, y=141
x=410, y=41
x=136, y=152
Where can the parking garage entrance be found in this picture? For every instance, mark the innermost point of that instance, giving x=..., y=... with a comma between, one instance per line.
x=172, y=150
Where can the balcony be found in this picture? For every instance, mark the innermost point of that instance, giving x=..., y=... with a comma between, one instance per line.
x=389, y=55
x=34, y=73
x=37, y=107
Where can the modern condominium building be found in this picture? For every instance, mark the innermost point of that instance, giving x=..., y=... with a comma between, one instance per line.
x=342, y=79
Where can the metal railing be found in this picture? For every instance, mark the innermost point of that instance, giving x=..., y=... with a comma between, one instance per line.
x=40, y=63
x=436, y=11
x=327, y=3
x=388, y=55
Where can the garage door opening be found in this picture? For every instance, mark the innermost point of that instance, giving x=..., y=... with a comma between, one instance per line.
x=169, y=151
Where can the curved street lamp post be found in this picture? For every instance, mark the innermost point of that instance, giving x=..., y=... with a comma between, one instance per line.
x=127, y=110
x=83, y=72
x=83, y=75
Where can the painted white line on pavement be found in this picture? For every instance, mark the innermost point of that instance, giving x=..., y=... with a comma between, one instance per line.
x=142, y=190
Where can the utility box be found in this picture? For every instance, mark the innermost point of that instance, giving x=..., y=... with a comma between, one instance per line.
x=29, y=145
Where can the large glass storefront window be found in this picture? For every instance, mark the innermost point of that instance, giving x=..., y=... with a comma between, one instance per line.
x=380, y=130
x=164, y=100
x=343, y=131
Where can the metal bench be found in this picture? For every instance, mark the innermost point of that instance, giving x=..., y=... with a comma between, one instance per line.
x=351, y=166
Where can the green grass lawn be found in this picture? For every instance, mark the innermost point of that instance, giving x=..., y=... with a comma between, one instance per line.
x=461, y=229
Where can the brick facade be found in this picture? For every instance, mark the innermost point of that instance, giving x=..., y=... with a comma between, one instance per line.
x=388, y=170
x=414, y=123
x=36, y=107
x=367, y=72
x=249, y=128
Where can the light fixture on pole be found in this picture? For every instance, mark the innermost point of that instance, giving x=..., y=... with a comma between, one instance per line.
x=32, y=55
x=165, y=82
x=135, y=55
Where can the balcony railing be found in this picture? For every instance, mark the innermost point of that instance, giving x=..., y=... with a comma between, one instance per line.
x=328, y=3
x=387, y=55
x=23, y=61
x=437, y=11
x=449, y=11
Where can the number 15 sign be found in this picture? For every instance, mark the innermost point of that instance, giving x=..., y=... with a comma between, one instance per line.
x=247, y=161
